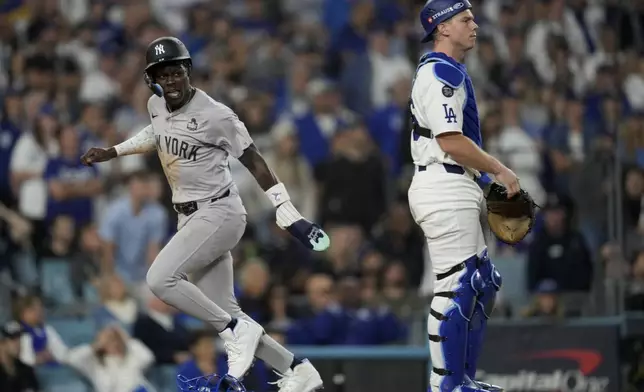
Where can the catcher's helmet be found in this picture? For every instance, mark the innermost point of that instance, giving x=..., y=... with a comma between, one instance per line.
x=436, y=12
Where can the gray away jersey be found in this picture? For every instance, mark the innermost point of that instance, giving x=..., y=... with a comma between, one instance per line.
x=194, y=143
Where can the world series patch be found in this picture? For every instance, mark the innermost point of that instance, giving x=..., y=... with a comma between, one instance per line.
x=448, y=91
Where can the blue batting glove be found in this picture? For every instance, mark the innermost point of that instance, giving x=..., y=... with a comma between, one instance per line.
x=310, y=234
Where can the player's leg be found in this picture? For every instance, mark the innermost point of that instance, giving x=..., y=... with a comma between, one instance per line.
x=448, y=214
x=208, y=233
x=487, y=291
x=216, y=281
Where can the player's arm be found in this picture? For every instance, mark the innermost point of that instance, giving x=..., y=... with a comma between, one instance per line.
x=140, y=143
x=239, y=144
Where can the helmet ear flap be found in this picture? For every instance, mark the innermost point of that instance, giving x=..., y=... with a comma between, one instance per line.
x=155, y=87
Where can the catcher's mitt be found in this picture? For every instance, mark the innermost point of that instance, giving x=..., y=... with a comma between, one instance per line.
x=510, y=219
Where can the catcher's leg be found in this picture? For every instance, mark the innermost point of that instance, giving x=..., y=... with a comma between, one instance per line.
x=447, y=326
x=486, y=281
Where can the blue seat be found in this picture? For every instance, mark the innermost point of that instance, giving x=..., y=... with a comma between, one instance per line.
x=27, y=274
x=61, y=379
x=56, y=282
x=90, y=294
x=164, y=378
x=74, y=331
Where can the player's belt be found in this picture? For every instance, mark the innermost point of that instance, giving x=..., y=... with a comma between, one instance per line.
x=189, y=207
x=455, y=169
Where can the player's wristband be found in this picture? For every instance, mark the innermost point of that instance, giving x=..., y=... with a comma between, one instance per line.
x=277, y=194
x=484, y=180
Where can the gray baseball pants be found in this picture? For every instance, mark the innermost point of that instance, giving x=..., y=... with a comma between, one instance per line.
x=201, y=249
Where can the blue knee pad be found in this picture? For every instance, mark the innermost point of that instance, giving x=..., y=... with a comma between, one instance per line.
x=486, y=282
x=454, y=324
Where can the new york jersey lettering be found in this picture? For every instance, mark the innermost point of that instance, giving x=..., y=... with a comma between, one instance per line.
x=173, y=146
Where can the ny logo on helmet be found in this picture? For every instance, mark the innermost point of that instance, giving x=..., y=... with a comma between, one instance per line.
x=159, y=49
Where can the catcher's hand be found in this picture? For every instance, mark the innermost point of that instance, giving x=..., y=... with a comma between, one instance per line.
x=510, y=219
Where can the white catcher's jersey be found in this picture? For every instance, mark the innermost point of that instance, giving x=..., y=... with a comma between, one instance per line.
x=194, y=143
x=436, y=107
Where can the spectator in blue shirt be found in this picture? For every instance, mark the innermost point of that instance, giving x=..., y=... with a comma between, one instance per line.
x=204, y=359
x=72, y=186
x=133, y=230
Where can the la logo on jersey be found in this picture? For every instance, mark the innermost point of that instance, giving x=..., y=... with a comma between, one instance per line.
x=450, y=116
x=159, y=49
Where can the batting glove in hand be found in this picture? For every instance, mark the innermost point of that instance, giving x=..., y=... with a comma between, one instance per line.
x=308, y=233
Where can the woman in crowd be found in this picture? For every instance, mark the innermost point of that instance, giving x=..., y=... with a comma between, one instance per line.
x=114, y=362
x=40, y=344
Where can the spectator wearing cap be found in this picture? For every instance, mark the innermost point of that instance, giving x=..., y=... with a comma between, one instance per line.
x=559, y=252
x=40, y=343
x=546, y=302
x=15, y=375
x=133, y=230
x=71, y=185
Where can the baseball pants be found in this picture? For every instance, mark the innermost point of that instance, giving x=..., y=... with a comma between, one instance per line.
x=201, y=249
x=447, y=206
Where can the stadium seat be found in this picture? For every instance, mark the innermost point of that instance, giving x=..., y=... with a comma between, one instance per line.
x=164, y=377
x=61, y=379
x=55, y=282
x=26, y=271
x=74, y=331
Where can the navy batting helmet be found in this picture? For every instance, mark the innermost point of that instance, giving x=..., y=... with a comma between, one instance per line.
x=436, y=12
x=163, y=50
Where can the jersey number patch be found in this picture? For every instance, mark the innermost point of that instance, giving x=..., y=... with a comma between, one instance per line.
x=450, y=116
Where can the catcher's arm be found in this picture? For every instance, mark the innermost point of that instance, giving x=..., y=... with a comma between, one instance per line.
x=438, y=97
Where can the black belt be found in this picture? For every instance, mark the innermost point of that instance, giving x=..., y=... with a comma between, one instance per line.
x=189, y=207
x=455, y=169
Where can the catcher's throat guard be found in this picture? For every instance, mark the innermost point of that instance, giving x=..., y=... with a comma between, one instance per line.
x=509, y=219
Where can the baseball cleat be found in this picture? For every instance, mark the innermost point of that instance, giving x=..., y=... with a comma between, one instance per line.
x=303, y=378
x=241, y=344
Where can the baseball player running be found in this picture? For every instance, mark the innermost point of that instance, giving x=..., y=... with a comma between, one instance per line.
x=194, y=135
x=445, y=196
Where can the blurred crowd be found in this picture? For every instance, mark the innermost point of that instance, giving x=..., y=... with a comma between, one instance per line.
x=322, y=86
